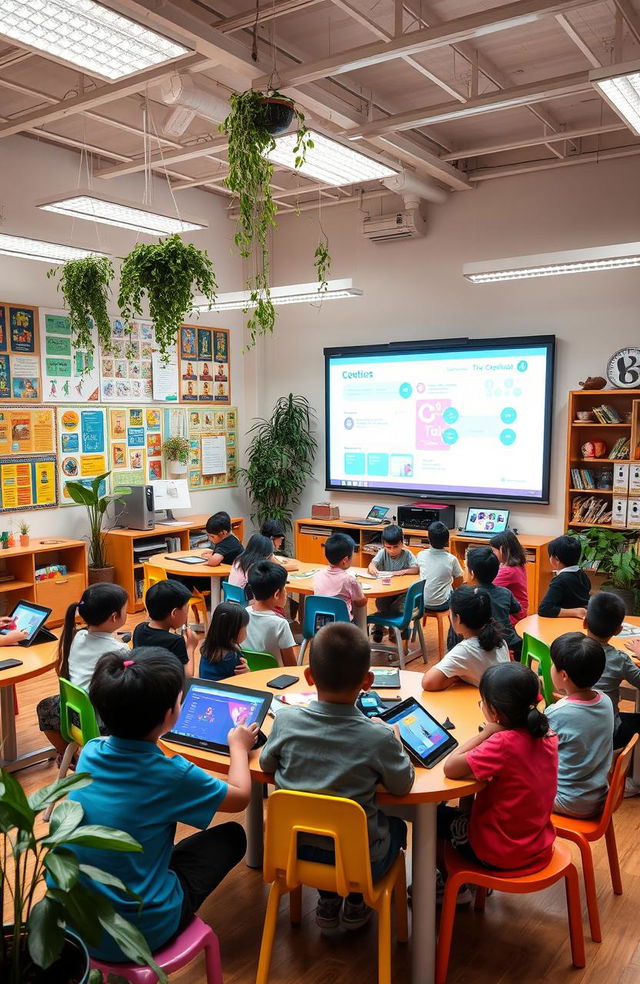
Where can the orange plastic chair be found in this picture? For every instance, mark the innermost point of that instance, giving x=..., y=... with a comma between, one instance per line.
x=345, y=822
x=583, y=832
x=461, y=872
x=442, y=618
x=152, y=575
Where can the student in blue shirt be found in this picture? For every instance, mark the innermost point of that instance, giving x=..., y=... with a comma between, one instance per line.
x=138, y=789
x=220, y=653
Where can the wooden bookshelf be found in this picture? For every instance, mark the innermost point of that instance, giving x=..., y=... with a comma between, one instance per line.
x=55, y=593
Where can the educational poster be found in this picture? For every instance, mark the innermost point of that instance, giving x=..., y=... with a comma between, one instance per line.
x=68, y=374
x=20, y=379
x=126, y=363
x=204, y=365
x=28, y=483
x=27, y=430
x=213, y=437
x=82, y=446
x=135, y=445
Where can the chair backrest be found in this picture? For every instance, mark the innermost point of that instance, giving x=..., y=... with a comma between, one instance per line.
x=78, y=720
x=342, y=820
x=537, y=656
x=259, y=661
x=616, y=783
x=231, y=592
x=322, y=605
x=152, y=575
x=413, y=604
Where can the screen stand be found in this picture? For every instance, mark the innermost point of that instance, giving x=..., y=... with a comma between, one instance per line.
x=43, y=635
x=170, y=517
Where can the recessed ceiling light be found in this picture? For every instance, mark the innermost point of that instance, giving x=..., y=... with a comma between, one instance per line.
x=36, y=249
x=88, y=205
x=329, y=161
x=86, y=34
x=292, y=294
x=618, y=257
x=619, y=85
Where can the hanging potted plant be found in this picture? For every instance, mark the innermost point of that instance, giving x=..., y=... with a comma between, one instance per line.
x=170, y=273
x=254, y=120
x=45, y=942
x=96, y=505
x=176, y=451
x=85, y=286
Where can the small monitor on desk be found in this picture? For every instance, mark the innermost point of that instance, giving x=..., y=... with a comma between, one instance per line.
x=171, y=494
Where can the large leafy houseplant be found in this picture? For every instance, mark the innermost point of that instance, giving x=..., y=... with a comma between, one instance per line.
x=47, y=890
x=85, y=285
x=170, y=272
x=612, y=553
x=280, y=459
x=96, y=505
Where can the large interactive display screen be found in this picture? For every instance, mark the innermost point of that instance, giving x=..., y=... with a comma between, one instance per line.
x=452, y=418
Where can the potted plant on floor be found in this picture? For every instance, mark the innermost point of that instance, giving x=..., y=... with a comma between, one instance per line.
x=176, y=451
x=96, y=505
x=280, y=459
x=24, y=533
x=45, y=943
x=85, y=285
x=612, y=553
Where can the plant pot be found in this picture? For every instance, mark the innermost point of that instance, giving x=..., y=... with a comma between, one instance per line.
x=98, y=575
x=72, y=966
x=626, y=596
x=278, y=115
x=24, y=539
x=177, y=468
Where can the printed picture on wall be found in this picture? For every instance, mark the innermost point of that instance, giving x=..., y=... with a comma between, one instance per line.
x=155, y=470
x=22, y=330
x=204, y=343
x=5, y=378
x=188, y=343
x=220, y=346
x=3, y=331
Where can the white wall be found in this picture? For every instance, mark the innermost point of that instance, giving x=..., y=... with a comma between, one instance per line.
x=31, y=171
x=415, y=290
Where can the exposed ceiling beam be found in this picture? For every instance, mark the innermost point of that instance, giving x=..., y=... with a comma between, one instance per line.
x=519, y=95
x=97, y=97
x=632, y=19
x=594, y=157
x=187, y=153
x=571, y=134
x=15, y=56
x=407, y=151
x=578, y=40
x=276, y=9
x=478, y=24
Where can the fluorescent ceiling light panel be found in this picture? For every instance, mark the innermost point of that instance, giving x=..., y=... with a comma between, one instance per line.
x=36, y=249
x=87, y=35
x=330, y=162
x=108, y=212
x=619, y=85
x=617, y=257
x=292, y=294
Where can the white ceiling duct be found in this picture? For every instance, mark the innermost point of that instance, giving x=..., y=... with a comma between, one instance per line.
x=413, y=189
x=189, y=100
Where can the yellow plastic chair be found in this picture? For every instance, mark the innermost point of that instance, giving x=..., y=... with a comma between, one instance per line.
x=198, y=614
x=152, y=575
x=345, y=822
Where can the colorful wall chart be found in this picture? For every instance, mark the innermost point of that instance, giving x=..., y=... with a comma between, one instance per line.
x=68, y=374
x=198, y=425
x=19, y=354
x=27, y=430
x=126, y=369
x=28, y=483
x=135, y=445
x=82, y=446
x=204, y=365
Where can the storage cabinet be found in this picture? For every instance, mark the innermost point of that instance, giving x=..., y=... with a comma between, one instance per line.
x=19, y=565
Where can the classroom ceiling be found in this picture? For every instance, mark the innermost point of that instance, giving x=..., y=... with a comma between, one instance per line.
x=506, y=76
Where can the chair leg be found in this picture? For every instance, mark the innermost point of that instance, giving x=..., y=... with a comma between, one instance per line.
x=301, y=652
x=295, y=906
x=445, y=933
x=481, y=897
x=590, y=889
x=67, y=758
x=268, y=933
x=614, y=861
x=418, y=629
x=213, y=963
x=574, y=914
x=399, y=646
x=384, y=939
x=440, y=637
x=400, y=899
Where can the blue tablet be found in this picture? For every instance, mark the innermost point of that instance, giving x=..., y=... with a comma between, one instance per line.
x=423, y=737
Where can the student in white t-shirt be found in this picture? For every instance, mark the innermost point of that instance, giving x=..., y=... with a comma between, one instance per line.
x=482, y=644
x=439, y=569
x=267, y=631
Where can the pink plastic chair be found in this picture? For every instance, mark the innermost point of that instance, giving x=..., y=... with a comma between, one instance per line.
x=185, y=948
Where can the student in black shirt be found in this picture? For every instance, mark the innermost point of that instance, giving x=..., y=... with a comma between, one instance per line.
x=225, y=546
x=482, y=565
x=568, y=594
x=167, y=606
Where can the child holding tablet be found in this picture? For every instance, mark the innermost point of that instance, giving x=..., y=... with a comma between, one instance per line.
x=482, y=644
x=220, y=653
x=138, y=789
x=9, y=635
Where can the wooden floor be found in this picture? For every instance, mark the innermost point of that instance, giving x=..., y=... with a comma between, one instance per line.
x=521, y=939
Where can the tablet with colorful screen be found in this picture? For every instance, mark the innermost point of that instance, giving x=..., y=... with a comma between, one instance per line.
x=424, y=737
x=209, y=711
x=29, y=618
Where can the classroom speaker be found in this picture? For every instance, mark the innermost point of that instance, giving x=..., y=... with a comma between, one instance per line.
x=420, y=516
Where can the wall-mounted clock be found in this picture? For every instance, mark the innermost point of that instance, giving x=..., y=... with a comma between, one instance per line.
x=623, y=368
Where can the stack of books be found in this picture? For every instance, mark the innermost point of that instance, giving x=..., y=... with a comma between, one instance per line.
x=607, y=414
x=591, y=509
x=620, y=449
x=582, y=478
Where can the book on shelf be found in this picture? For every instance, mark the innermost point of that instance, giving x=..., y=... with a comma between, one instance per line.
x=583, y=478
x=591, y=509
x=621, y=448
x=606, y=414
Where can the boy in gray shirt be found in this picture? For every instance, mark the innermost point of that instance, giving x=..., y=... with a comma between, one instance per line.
x=394, y=559
x=583, y=722
x=605, y=615
x=331, y=748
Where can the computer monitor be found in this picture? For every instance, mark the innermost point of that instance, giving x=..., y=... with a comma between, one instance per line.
x=170, y=494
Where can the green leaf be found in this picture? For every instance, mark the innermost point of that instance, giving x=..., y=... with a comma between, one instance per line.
x=80, y=493
x=130, y=940
x=42, y=798
x=14, y=805
x=80, y=906
x=104, y=838
x=63, y=867
x=46, y=932
x=64, y=820
x=105, y=878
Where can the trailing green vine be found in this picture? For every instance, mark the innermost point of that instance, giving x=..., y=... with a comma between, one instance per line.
x=85, y=285
x=322, y=263
x=249, y=178
x=170, y=272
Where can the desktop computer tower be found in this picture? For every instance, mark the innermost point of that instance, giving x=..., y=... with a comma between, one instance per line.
x=134, y=511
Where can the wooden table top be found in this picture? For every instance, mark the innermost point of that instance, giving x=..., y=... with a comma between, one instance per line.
x=35, y=660
x=548, y=629
x=372, y=587
x=460, y=704
x=169, y=563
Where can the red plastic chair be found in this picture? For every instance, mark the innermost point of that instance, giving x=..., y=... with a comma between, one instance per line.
x=176, y=955
x=461, y=872
x=582, y=832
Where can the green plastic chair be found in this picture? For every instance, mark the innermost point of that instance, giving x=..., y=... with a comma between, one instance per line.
x=78, y=725
x=535, y=651
x=259, y=661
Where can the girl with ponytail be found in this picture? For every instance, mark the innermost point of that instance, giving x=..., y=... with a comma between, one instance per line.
x=516, y=755
x=481, y=642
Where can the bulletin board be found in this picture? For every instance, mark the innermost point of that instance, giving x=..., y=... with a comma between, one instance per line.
x=20, y=379
x=82, y=447
x=135, y=444
x=202, y=424
x=28, y=483
x=204, y=366
x=126, y=368
x=68, y=374
x=27, y=430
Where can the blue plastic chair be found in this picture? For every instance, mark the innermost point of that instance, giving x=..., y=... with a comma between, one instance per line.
x=315, y=605
x=231, y=592
x=409, y=622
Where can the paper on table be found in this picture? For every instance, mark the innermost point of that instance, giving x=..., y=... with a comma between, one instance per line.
x=214, y=455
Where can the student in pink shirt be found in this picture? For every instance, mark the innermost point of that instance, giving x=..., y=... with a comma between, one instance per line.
x=335, y=580
x=258, y=548
x=512, y=573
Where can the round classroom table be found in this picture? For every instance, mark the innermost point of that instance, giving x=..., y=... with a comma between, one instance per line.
x=170, y=564
x=548, y=629
x=431, y=787
x=35, y=661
